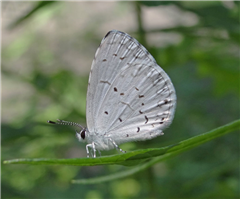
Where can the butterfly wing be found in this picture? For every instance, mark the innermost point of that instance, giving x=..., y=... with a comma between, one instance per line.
x=129, y=96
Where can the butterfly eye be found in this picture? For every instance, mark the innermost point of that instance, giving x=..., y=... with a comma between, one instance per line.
x=83, y=134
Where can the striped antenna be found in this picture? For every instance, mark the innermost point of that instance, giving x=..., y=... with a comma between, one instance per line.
x=62, y=122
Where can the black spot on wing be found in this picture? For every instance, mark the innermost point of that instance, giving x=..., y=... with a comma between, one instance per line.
x=115, y=89
x=106, y=112
x=146, y=119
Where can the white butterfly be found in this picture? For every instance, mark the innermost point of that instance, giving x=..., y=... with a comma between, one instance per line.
x=129, y=97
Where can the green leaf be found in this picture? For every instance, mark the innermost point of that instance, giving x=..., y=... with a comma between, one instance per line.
x=138, y=156
x=123, y=174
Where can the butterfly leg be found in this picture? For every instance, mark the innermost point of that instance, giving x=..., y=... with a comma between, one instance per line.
x=88, y=145
x=116, y=146
x=93, y=148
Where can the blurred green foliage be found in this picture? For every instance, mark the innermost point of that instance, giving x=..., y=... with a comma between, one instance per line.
x=37, y=86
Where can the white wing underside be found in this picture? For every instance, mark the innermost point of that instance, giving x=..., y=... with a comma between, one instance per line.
x=129, y=96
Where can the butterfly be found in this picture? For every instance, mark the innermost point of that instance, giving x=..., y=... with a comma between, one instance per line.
x=129, y=96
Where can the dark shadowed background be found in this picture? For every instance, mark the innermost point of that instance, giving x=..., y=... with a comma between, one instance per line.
x=47, y=50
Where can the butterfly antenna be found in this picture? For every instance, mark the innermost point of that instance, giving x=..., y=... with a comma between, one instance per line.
x=62, y=122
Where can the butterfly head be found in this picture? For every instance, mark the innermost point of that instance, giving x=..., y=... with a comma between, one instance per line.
x=81, y=135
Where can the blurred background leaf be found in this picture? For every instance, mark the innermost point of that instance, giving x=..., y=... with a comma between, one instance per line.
x=39, y=5
x=47, y=50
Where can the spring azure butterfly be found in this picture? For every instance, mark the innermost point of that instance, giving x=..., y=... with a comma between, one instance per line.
x=129, y=97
